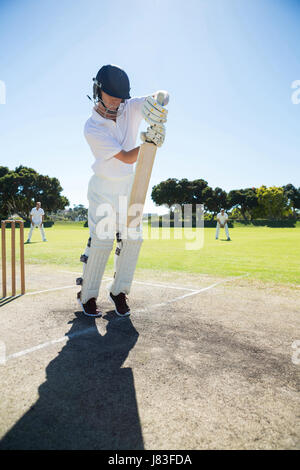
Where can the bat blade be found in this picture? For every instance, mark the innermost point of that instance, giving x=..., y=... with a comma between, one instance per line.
x=142, y=175
x=140, y=185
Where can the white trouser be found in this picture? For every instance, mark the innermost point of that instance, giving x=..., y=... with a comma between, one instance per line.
x=218, y=230
x=41, y=227
x=105, y=194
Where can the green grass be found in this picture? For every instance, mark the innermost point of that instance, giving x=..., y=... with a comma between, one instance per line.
x=267, y=254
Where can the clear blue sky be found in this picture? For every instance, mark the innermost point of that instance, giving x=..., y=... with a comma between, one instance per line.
x=228, y=65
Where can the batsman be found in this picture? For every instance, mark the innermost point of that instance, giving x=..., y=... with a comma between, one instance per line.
x=111, y=133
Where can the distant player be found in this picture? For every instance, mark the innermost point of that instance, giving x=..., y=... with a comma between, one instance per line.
x=111, y=133
x=37, y=215
x=222, y=219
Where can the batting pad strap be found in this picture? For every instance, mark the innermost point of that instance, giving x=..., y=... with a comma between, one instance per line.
x=98, y=256
x=125, y=265
x=83, y=258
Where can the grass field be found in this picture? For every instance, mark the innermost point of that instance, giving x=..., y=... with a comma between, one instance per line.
x=267, y=254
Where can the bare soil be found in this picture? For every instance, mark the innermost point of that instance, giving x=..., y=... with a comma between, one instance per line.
x=202, y=363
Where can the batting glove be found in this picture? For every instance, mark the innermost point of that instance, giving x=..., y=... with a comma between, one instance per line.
x=154, y=134
x=153, y=112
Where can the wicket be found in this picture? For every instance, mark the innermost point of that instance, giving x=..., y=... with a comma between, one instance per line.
x=13, y=256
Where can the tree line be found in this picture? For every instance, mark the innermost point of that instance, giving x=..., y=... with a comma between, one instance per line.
x=21, y=188
x=275, y=202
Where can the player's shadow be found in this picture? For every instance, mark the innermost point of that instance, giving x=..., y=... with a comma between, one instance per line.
x=88, y=400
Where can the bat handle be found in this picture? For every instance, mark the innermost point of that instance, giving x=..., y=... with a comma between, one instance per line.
x=162, y=97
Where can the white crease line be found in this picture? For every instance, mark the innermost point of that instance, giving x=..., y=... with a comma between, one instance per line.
x=49, y=290
x=166, y=286
x=49, y=343
x=70, y=272
x=143, y=283
x=186, y=295
x=163, y=304
x=79, y=333
x=193, y=291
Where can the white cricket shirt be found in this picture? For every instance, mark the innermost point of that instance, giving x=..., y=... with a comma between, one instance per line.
x=222, y=218
x=106, y=138
x=37, y=215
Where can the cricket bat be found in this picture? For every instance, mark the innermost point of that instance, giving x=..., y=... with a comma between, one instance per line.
x=142, y=175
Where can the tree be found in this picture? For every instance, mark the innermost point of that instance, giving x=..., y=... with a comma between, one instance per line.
x=293, y=197
x=179, y=192
x=167, y=193
x=77, y=213
x=22, y=187
x=200, y=191
x=3, y=171
x=216, y=199
x=245, y=199
x=272, y=202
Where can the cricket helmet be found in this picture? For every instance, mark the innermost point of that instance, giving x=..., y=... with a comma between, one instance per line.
x=113, y=81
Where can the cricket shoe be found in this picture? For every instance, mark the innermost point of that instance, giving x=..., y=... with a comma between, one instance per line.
x=89, y=308
x=119, y=302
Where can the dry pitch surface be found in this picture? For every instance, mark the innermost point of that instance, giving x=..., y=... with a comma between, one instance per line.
x=202, y=363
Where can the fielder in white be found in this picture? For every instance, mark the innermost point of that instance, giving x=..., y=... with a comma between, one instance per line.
x=111, y=133
x=222, y=219
x=37, y=215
